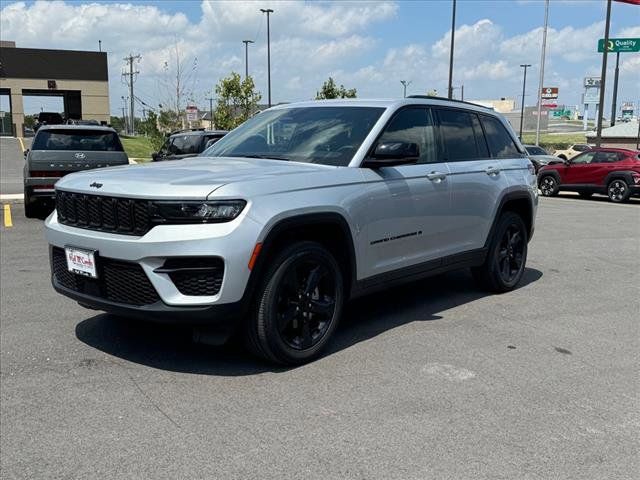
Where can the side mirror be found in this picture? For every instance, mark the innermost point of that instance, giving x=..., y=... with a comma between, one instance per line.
x=26, y=152
x=154, y=156
x=393, y=153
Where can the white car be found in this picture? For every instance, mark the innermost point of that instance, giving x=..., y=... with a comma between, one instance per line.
x=572, y=151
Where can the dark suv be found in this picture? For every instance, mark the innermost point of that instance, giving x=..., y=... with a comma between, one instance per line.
x=187, y=143
x=611, y=171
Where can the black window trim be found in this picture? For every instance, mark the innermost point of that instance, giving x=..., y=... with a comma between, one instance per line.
x=440, y=155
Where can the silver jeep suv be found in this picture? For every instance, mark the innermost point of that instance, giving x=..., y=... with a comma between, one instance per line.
x=296, y=211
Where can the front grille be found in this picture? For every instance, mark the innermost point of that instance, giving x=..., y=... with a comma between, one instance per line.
x=118, y=281
x=199, y=276
x=105, y=214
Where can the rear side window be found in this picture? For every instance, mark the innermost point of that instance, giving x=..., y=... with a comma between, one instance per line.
x=608, y=157
x=461, y=135
x=581, y=148
x=413, y=125
x=82, y=140
x=500, y=142
x=185, y=144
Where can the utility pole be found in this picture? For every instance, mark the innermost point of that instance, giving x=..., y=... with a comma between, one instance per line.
x=130, y=59
x=210, y=112
x=542, y=57
x=405, y=84
x=246, y=57
x=99, y=45
x=124, y=113
x=462, y=92
x=603, y=76
x=615, y=90
x=524, y=84
x=453, y=34
x=268, y=11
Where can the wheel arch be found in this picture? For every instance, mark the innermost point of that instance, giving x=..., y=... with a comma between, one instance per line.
x=330, y=229
x=519, y=202
x=626, y=175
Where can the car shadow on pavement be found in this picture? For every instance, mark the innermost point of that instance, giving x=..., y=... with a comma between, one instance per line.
x=171, y=348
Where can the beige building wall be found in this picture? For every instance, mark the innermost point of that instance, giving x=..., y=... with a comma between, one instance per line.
x=94, y=97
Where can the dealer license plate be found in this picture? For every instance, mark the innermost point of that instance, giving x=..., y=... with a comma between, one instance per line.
x=82, y=262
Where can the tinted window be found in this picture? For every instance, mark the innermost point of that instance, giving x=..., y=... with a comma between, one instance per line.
x=584, y=158
x=581, y=148
x=326, y=135
x=86, y=140
x=185, y=144
x=413, y=125
x=500, y=142
x=607, y=157
x=460, y=139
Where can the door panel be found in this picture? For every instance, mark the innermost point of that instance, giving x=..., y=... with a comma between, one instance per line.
x=580, y=169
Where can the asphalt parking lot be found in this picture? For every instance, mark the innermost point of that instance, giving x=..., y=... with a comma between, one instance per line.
x=431, y=380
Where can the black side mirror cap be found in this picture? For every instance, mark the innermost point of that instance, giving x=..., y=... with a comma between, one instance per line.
x=26, y=152
x=388, y=154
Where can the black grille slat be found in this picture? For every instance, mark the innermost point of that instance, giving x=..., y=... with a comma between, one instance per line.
x=105, y=214
x=118, y=281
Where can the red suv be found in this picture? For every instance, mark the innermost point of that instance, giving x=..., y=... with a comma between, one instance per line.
x=612, y=171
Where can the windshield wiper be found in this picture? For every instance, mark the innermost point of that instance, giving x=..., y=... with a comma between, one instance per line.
x=267, y=157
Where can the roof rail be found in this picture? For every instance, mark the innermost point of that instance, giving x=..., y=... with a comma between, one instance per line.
x=431, y=97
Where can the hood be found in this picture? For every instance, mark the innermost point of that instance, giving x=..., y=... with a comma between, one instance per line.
x=190, y=179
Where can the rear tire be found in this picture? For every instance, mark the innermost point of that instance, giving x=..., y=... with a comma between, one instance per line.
x=504, y=266
x=32, y=207
x=297, y=306
x=618, y=191
x=548, y=185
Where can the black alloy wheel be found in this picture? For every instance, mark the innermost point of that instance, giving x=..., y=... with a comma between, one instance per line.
x=306, y=303
x=511, y=253
x=298, y=304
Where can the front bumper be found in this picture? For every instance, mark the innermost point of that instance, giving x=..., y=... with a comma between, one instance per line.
x=233, y=242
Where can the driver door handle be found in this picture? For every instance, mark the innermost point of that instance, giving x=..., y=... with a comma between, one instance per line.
x=492, y=171
x=436, y=177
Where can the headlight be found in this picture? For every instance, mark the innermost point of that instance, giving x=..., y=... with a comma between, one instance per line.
x=197, y=211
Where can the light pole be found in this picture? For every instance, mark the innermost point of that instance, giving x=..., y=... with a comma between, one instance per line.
x=210, y=112
x=542, y=57
x=453, y=34
x=268, y=11
x=603, y=76
x=405, y=84
x=246, y=57
x=524, y=83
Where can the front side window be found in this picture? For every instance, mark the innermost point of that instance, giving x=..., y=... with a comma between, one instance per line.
x=413, y=125
x=81, y=140
x=584, y=158
x=531, y=150
x=500, y=142
x=460, y=136
x=325, y=135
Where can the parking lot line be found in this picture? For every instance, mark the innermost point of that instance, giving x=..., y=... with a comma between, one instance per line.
x=7, y=215
x=21, y=144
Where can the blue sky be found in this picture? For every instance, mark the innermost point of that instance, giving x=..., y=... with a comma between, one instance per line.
x=370, y=46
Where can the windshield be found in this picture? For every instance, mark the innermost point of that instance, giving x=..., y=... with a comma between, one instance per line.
x=86, y=140
x=536, y=151
x=326, y=135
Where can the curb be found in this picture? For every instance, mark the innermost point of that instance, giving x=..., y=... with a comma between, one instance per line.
x=12, y=198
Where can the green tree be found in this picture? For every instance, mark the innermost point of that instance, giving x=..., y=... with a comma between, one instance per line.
x=331, y=90
x=169, y=120
x=149, y=128
x=30, y=120
x=116, y=123
x=237, y=101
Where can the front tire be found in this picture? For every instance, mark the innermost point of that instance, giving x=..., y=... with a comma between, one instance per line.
x=504, y=266
x=298, y=305
x=618, y=191
x=548, y=185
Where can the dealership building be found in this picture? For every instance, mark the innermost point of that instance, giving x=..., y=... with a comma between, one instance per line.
x=79, y=77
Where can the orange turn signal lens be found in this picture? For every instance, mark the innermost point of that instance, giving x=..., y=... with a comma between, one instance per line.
x=254, y=255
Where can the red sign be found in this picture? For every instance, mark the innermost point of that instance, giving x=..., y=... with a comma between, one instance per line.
x=549, y=92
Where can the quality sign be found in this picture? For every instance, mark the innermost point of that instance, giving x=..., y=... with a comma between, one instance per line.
x=620, y=45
